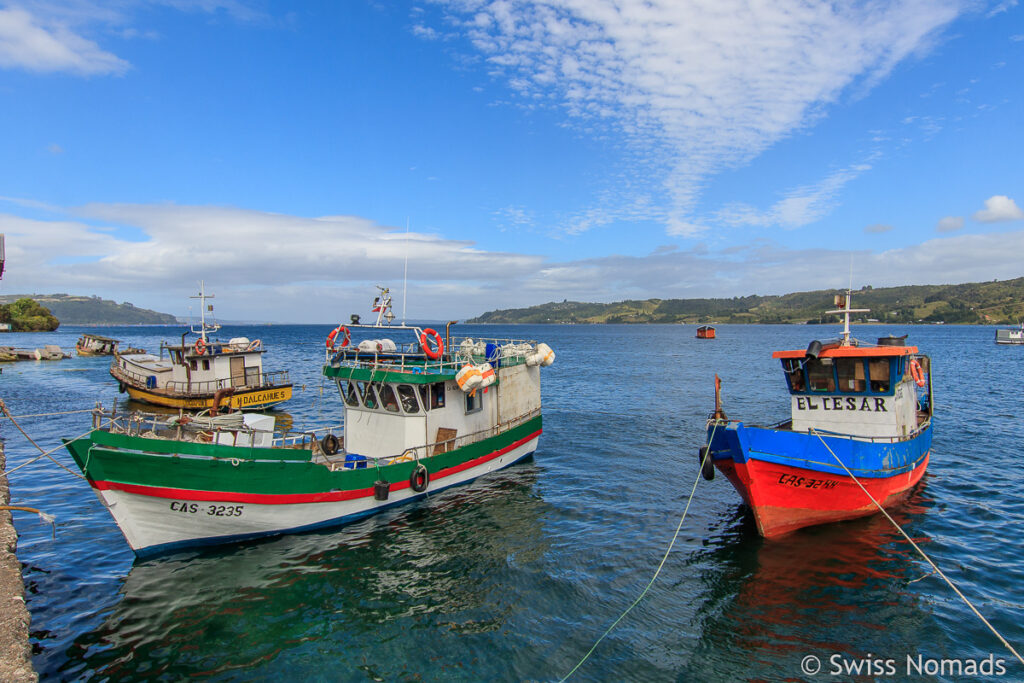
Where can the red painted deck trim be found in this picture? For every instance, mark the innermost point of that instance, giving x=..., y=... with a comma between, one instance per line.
x=293, y=498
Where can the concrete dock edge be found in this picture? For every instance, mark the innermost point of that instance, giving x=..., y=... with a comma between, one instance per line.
x=15, y=653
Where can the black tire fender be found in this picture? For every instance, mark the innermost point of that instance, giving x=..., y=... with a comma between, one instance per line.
x=707, y=467
x=330, y=444
x=419, y=479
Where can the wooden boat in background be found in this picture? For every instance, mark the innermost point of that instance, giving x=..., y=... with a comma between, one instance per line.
x=856, y=409
x=203, y=375
x=97, y=345
x=705, y=332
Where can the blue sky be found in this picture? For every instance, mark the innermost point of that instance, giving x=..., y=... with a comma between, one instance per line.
x=292, y=154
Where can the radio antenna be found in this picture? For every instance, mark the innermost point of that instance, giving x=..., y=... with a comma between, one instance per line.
x=405, y=275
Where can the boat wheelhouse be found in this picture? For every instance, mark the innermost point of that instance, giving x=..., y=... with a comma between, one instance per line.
x=419, y=416
x=97, y=345
x=1010, y=336
x=705, y=332
x=204, y=374
x=858, y=413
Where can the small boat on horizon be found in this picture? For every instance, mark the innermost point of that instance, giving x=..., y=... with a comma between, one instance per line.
x=204, y=375
x=1010, y=336
x=705, y=332
x=419, y=416
x=859, y=413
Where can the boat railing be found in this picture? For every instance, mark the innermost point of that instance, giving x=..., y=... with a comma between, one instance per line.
x=409, y=357
x=788, y=425
x=201, y=429
x=249, y=379
x=445, y=445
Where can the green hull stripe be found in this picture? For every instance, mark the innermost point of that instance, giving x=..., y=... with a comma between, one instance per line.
x=236, y=473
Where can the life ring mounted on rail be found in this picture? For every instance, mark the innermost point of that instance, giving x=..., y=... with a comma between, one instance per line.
x=916, y=372
x=254, y=345
x=346, y=337
x=201, y=346
x=438, y=350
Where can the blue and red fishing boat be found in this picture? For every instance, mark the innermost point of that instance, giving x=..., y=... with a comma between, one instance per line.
x=859, y=413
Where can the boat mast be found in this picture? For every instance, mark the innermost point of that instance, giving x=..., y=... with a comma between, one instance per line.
x=382, y=307
x=203, y=296
x=842, y=303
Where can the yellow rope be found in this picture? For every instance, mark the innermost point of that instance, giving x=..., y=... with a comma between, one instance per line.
x=707, y=454
x=918, y=549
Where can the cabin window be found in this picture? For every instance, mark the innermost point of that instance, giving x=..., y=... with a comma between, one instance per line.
x=206, y=364
x=437, y=395
x=195, y=366
x=425, y=396
x=407, y=395
x=793, y=367
x=368, y=395
x=819, y=374
x=349, y=393
x=387, y=398
x=850, y=373
x=878, y=373
x=474, y=402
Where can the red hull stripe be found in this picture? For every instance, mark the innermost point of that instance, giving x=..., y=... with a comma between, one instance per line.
x=785, y=498
x=292, y=498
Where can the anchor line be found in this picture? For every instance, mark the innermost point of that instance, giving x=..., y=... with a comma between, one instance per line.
x=707, y=454
x=921, y=552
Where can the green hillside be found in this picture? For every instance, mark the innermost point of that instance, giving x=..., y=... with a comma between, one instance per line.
x=996, y=302
x=26, y=315
x=92, y=310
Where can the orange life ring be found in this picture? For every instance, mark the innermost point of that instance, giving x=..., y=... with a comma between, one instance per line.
x=432, y=354
x=200, y=347
x=334, y=333
x=254, y=345
x=916, y=372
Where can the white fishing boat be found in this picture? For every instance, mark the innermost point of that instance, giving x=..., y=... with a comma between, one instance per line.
x=420, y=415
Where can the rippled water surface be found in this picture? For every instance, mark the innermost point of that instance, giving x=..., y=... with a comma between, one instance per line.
x=515, y=576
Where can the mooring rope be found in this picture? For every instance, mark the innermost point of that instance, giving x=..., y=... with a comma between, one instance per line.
x=43, y=453
x=66, y=412
x=707, y=454
x=918, y=549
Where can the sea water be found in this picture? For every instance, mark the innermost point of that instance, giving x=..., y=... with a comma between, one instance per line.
x=516, y=576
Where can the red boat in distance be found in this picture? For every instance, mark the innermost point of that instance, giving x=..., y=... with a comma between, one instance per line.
x=705, y=332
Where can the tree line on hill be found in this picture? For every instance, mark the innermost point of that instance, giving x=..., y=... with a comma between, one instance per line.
x=26, y=315
x=996, y=302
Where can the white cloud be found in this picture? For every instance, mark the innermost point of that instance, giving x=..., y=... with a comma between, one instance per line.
x=999, y=208
x=26, y=43
x=240, y=250
x=697, y=87
x=950, y=224
x=801, y=206
x=265, y=266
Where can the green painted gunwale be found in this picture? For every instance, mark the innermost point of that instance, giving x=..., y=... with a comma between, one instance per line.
x=379, y=374
x=239, y=473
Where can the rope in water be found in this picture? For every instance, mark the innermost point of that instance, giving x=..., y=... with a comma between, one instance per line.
x=661, y=564
x=44, y=453
x=918, y=549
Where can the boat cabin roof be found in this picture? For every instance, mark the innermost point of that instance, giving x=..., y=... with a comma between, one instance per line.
x=98, y=337
x=851, y=352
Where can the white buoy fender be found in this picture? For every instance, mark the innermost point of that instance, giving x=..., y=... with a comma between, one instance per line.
x=547, y=356
x=468, y=378
x=487, y=377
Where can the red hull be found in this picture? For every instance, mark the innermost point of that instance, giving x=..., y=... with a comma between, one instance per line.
x=786, y=498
